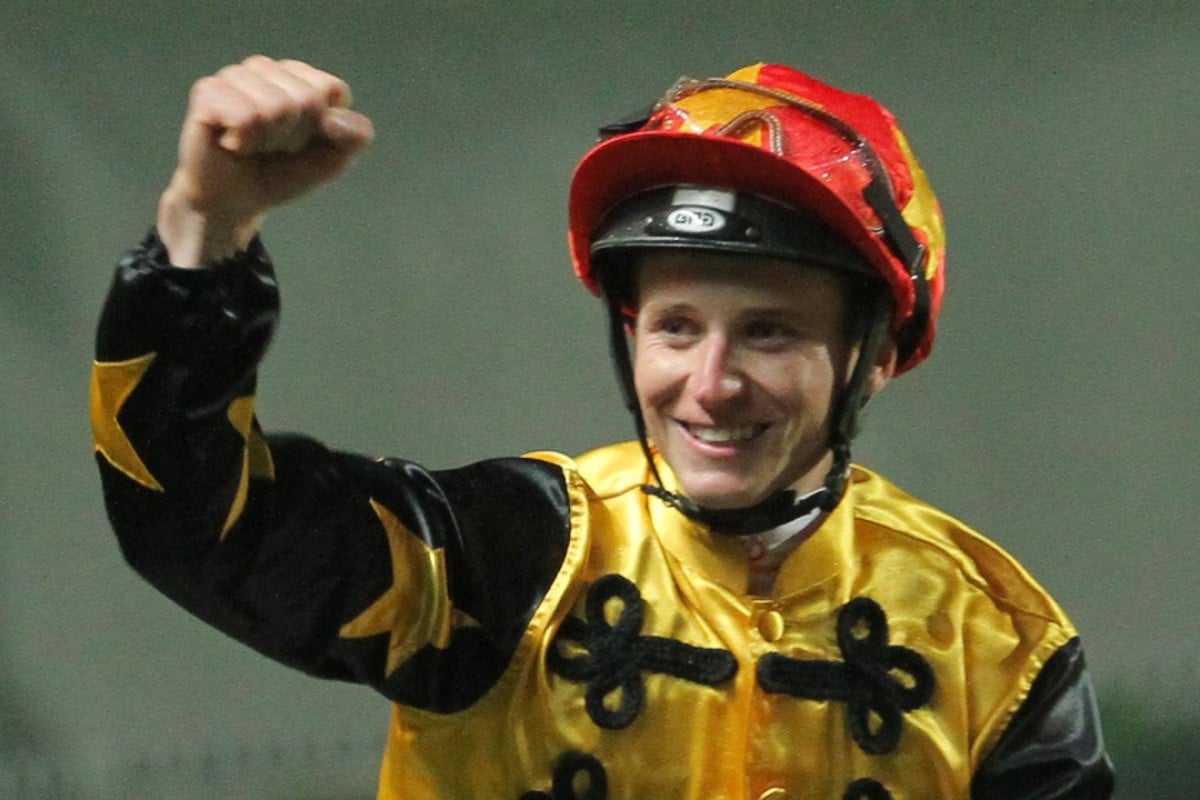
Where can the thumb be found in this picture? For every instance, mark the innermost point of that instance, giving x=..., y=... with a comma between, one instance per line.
x=347, y=130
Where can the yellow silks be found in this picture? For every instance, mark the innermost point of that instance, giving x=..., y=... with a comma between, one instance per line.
x=984, y=627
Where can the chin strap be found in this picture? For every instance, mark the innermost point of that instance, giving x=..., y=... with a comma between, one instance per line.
x=783, y=506
x=778, y=509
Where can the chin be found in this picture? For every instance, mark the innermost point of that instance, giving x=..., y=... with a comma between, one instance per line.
x=727, y=492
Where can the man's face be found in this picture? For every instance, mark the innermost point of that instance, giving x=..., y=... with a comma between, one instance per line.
x=737, y=361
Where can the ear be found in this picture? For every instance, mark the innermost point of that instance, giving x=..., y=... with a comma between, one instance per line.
x=883, y=369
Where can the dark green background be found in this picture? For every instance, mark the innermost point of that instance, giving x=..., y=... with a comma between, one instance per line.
x=430, y=312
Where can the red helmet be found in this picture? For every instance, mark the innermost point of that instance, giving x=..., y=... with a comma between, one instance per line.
x=772, y=132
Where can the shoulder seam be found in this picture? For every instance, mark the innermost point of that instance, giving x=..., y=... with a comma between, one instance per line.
x=958, y=556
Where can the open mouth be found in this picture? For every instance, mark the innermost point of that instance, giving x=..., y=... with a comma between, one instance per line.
x=724, y=435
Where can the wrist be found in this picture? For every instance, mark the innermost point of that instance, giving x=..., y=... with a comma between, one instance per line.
x=194, y=237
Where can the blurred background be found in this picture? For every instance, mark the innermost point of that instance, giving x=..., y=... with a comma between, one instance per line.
x=430, y=312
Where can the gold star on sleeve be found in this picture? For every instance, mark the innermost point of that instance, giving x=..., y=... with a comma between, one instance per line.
x=414, y=610
x=256, y=457
x=112, y=383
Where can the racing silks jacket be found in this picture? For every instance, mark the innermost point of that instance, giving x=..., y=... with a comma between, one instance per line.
x=544, y=628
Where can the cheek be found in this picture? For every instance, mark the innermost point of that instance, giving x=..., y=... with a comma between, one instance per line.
x=653, y=390
x=800, y=390
x=655, y=376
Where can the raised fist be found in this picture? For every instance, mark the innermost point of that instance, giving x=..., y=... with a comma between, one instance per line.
x=257, y=134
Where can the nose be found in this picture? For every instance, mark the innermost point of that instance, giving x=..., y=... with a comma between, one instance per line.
x=716, y=378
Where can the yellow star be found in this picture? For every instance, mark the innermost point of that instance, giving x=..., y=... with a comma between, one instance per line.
x=414, y=610
x=112, y=383
x=256, y=456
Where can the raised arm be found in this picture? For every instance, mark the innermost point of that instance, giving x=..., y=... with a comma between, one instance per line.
x=338, y=564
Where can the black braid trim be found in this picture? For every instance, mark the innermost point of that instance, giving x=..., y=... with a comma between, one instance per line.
x=866, y=789
x=566, y=774
x=617, y=654
x=865, y=681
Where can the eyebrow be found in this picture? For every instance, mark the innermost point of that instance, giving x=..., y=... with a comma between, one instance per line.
x=778, y=313
x=669, y=308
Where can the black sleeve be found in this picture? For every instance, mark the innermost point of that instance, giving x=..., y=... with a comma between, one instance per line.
x=1053, y=748
x=418, y=583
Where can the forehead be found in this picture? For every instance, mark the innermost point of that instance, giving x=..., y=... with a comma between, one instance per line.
x=670, y=276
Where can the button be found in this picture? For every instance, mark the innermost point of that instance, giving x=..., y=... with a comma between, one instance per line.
x=775, y=793
x=771, y=626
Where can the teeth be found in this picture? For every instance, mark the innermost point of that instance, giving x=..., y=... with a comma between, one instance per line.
x=717, y=435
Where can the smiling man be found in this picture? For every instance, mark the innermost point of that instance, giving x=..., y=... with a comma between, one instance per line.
x=725, y=607
x=738, y=361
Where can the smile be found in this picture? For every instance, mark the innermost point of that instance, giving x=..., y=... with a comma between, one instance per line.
x=713, y=435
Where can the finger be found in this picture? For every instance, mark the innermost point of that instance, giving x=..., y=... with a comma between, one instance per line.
x=303, y=101
x=276, y=117
x=338, y=126
x=312, y=92
x=219, y=106
x=335, y=90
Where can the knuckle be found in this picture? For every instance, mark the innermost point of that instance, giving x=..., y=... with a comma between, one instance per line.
x=311, y=103
x=274, y=103
x=230, y=70
x=327, y=86
x=203, y=86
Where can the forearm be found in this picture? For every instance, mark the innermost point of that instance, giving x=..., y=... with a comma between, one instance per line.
x=188, y=477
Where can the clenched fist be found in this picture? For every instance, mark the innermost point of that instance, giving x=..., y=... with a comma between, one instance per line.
x=256, y=135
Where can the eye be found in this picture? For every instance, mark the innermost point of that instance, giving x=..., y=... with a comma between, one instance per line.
x=674, y=329
x=770, y=332
x=676, y=326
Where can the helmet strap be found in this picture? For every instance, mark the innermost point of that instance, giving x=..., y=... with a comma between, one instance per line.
x=623, y=364
x=851, y=401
